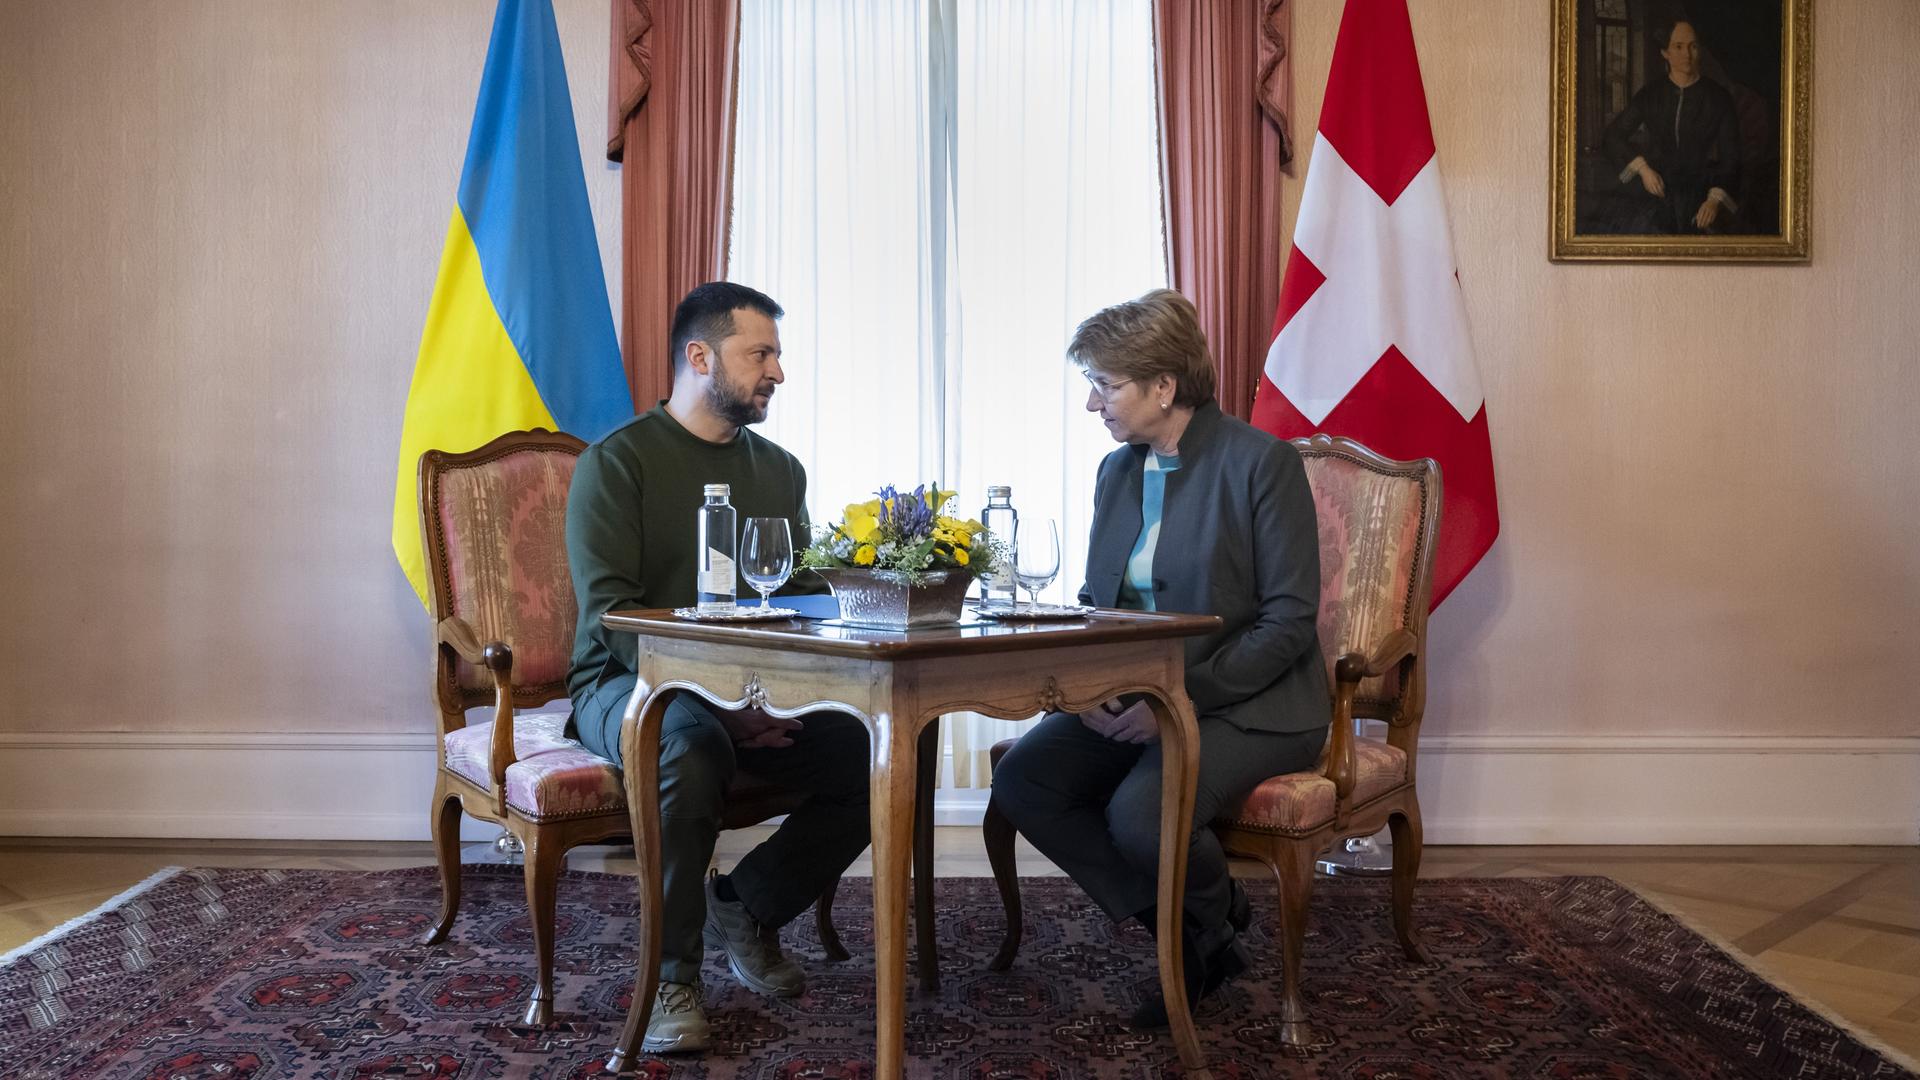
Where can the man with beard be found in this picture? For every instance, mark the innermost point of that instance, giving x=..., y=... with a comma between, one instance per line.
x=631, y=544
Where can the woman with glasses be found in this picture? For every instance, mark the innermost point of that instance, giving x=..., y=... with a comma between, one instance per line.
x=1196, y=512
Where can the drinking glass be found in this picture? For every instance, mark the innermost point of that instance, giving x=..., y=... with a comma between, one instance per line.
x=766, y=555
x=1036, y=555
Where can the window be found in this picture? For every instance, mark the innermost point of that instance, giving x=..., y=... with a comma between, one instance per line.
x=1612, y=59
x=938, y=191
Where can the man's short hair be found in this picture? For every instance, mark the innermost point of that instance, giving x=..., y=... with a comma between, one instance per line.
x=706, y=314
x=1158, y=334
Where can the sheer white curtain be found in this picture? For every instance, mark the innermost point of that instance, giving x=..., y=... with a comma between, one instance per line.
x=831, y=218
x=939, y=191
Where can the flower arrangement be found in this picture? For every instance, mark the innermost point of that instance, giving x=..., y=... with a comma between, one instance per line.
x=904, y=534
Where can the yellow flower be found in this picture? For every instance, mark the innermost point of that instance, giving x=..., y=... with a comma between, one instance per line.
x=860, y=525
x=964, y=528
x=960, y=556
x=863, y=555
x=938, y=499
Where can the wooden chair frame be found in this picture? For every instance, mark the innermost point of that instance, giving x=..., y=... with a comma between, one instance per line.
x=1291, y=856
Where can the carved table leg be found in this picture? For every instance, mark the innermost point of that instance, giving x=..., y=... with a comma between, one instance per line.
x=895, y=747
x=641, y=760
x=926, y=944
x=1179, y=778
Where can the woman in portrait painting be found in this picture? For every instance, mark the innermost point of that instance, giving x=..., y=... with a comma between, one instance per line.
x=1680, y=130
x=1688, y=161
x=1678, y=107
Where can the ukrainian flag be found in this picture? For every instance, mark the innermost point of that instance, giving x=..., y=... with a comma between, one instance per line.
x=519, y=333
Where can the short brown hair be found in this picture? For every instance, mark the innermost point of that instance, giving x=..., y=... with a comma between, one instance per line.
x=706, y=314
x=1158, y=334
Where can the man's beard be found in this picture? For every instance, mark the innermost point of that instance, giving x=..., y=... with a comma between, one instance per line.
x=730, y=403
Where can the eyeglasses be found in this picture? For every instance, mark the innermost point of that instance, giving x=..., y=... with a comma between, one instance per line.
x=1105, y=389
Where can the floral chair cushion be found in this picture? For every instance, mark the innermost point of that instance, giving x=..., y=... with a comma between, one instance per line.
x=504, y=524
x=552, y=776
x=1301, y=802
x=1369, y=533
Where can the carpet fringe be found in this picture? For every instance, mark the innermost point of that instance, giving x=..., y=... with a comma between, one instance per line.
x=85, y=918
x=1866, y=1038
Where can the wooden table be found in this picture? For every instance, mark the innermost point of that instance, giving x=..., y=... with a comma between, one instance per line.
x=898, y=683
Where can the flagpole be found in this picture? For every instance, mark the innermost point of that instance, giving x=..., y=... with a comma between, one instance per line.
x=1359, y=856
x=509, y=848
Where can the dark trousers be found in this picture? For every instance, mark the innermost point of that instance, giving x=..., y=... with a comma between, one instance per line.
x=781, y=877
x=1092, y=805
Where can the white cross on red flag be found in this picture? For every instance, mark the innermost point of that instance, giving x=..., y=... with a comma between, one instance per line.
x=1371, y=338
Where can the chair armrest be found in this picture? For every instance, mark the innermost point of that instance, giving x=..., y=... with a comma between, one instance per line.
x=1394, y=649
x=457, y=634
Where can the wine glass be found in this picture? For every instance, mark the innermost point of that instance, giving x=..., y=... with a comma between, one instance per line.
x=766, y=555
x=1036, y=555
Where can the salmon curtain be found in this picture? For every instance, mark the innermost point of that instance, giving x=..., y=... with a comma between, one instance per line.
x=1225, y=86
x=670, y=105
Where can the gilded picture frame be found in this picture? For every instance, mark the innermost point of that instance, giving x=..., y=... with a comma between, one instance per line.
x=1679, y=134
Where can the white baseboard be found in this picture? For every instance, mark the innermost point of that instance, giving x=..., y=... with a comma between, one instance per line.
x=1670, y=790
x=220, y=786
x=1474, y=789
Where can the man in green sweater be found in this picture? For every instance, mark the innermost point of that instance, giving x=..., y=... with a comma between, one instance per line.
x=631, y=544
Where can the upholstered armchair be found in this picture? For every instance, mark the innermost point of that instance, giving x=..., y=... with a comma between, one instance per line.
x=494, y=530
x=1378, y=520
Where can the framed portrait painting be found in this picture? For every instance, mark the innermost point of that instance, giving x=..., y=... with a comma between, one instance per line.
x=1680, y=130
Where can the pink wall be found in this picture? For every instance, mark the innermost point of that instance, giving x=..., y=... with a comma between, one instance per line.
x=222, y=222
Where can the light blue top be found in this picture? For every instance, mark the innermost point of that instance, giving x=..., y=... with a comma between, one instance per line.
x=1136, y=590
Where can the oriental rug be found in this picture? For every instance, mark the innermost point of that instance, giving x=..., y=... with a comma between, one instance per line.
x=251, y=974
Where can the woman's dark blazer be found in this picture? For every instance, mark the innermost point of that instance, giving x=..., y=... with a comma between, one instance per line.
x=1238, y=539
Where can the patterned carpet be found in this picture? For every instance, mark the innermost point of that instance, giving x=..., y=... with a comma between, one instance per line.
x=250, y=974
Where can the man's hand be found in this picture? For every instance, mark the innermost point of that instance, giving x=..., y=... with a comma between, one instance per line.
x=1650, y=180
x=750, y=728
x=1123, y=723
x=1703, y=217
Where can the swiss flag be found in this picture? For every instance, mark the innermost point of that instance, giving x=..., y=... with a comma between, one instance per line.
x=1371, y=339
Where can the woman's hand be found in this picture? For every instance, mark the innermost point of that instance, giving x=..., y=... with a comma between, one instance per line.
x=1123, y=723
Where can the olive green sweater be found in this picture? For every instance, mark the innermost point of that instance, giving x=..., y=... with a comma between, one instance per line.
x=632, y=521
